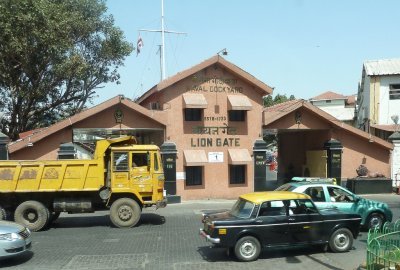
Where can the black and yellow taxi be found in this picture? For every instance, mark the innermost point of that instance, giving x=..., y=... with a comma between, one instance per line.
x=277, y=219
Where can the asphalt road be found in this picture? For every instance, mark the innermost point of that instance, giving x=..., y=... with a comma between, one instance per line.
x=166, y=239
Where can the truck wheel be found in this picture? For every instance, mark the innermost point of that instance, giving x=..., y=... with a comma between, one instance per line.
x=32, y=214
x=341, y=240
x=3, y=213
x=125, y=213
x=247, y=249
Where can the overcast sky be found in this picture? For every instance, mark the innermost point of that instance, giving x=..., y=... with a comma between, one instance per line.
x=299, y=47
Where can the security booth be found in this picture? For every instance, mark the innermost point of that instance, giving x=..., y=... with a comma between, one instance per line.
x=168, y=154
x=3, y=146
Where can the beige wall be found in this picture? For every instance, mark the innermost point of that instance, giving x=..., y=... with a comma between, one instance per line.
x=215, y=177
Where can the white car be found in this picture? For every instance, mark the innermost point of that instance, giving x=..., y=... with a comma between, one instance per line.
x=15, y=239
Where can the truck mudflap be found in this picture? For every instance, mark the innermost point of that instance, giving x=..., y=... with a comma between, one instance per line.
x=162, y=203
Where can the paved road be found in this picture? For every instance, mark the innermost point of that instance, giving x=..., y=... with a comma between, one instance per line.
x=165, y=239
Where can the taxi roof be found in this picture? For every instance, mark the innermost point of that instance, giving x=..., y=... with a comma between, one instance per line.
x=259, y=197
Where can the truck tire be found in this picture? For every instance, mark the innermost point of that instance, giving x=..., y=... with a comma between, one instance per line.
x=32, y=214
x=341, y=240
x=3, y=213
x=125, y=213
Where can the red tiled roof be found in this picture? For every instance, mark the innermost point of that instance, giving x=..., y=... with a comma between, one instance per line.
x=274, y=113
x=17, y=145
x=385, y=127
x=351, y=99
x=328, y=95
x=211, y=61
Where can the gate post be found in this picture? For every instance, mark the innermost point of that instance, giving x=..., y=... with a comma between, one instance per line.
x=3, y=146
x=260, y=166
x=168, y=154
x=395, y=173
x=334, y=162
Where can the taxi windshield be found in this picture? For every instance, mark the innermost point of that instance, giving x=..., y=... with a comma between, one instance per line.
x=242, y=209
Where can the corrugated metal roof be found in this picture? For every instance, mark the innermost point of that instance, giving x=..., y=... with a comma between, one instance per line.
x=382, y=67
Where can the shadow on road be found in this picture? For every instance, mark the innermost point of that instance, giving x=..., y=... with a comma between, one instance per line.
x=15, y=261
x=86, y=221
x=291, y=254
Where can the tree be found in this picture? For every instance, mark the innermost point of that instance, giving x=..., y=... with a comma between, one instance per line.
x=54, y=55
x=270, y=101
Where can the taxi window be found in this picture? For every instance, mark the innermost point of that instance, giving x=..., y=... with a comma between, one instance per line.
x=316, y=193
x=272, y=208
x=301, y=207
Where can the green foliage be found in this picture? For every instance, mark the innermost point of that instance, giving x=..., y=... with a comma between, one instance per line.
x=54, y=54
x=270, y=101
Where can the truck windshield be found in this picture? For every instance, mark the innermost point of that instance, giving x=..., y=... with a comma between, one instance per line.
x=242, y=209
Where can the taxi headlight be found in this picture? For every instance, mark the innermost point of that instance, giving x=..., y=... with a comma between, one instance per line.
x=10, y=236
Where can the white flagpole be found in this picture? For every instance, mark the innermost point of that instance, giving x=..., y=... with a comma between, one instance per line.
x=163, y=41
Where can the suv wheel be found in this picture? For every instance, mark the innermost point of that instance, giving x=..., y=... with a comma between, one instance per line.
x=247, y=249
x=375, y=220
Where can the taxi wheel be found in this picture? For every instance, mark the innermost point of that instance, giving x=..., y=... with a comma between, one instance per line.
x=341, y=240
x=375, y=220
x=247, y=249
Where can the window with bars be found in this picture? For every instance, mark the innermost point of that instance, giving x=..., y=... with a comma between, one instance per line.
x=394, y=91
x=193, y=114
x=194, y=175
x=237, y=174
x=237, y=116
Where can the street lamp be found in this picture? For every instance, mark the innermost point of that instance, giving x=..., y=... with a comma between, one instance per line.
x=223, y=51
x=395, y=119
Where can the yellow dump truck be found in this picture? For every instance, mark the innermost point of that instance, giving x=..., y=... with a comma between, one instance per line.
x=122, y=176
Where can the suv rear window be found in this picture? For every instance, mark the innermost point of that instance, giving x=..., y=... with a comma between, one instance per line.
x=286, y=187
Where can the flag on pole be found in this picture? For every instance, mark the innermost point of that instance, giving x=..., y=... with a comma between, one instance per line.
x=139, y=45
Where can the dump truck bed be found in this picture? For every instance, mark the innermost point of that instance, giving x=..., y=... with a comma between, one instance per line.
x=54, y=175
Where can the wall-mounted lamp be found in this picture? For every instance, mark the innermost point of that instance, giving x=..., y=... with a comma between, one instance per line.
x=297, y=117
x=223, y=51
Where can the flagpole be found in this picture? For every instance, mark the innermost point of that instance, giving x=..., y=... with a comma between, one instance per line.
x=163, y=31
x=163, y=41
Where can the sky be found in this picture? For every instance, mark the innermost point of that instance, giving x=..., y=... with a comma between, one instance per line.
x=299, y=47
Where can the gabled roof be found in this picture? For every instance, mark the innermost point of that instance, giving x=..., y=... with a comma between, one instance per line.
x=211, y=61
x=382, y=67
x=274, y=113
x=44, y=132
x=328, y=96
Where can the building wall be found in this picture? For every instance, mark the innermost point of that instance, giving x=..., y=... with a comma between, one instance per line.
x=215, y=83
x=357, y=152
x=388, y=107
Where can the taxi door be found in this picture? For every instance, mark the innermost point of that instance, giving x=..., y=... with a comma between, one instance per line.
x=305, y=222
x=272, y=223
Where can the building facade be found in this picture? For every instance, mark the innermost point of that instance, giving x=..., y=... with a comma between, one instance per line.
x=214, y=113
x=378, y=98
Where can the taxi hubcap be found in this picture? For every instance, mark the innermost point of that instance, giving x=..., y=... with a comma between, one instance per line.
x=125, y=213
x=248, y=249
x=341, y=240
